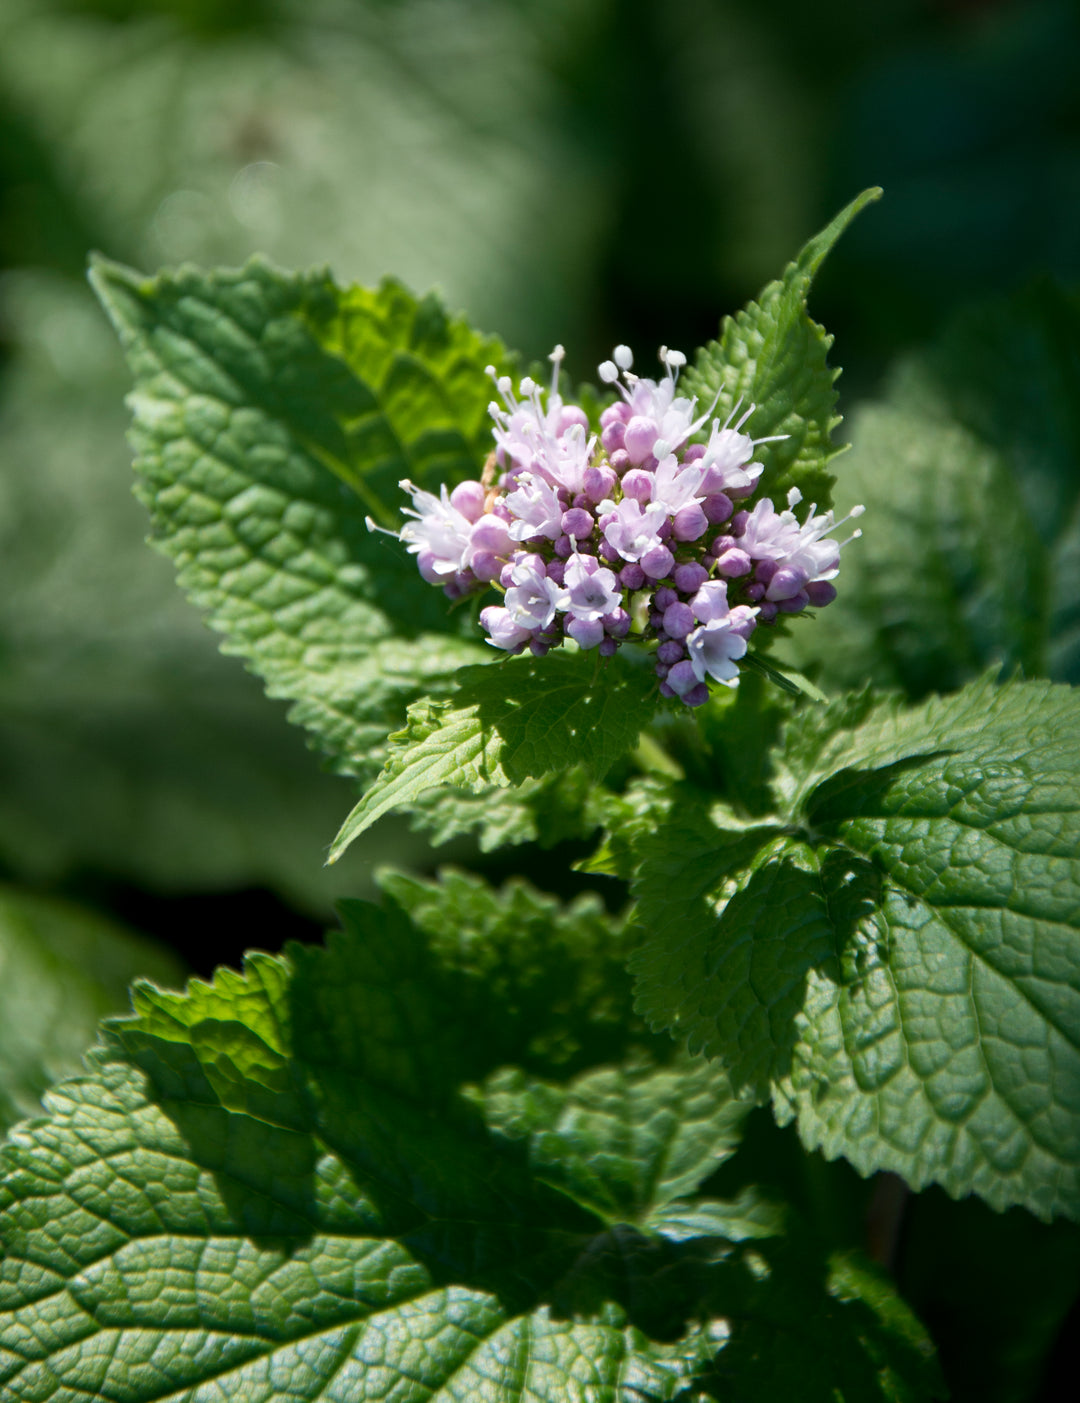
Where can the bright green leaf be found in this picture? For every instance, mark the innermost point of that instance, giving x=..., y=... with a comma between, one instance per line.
x=524, y=719
x=62, y=970
x=898, y=967
x=773, y=355
x=273, y=413
x=270, y=1188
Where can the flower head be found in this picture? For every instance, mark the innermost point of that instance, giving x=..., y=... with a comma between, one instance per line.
x=630, y=533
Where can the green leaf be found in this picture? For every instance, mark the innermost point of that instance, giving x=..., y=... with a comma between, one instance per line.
x=129, y=746
x=556, y=809
x=773, y=355
x=271, y=1187
x=524, y=719
x=971, y=548
x=62, y=970
x=896, y=965
x=626, y=1142
x=273, y=413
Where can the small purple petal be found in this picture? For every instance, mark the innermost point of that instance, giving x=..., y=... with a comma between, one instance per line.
x=586, y=633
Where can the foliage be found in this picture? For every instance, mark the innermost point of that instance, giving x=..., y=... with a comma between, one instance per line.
x=292, y=1148
x=447, y=1153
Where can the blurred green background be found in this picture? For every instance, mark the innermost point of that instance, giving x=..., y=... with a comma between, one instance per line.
x=582, y=171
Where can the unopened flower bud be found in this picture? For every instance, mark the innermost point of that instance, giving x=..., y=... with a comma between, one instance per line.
x=638, y=484
x=597, y=483
x=664, y=598
x=671, y=652
x=657, y=562
x=619, y=460
x=794, y=604
x=608, y=647
x=733, y=563
x=564, y=547
x=617, y=623
x=468, y=499
x=577, y=523
x=632, y=576
x=690, y=577
x=682, y=677
x=641, y=434
x=717, y=508
x=690, y=523
x=696, y=696
x=613, y=436
x=678, y=619
x=820, y=592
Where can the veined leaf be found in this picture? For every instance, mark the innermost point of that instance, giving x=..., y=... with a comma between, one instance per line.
x=270, y=1188
x=273, y=413
x=773, y=355
x=898, y=965
x=504, y=725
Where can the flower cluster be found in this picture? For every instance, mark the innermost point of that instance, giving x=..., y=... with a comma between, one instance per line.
x=636, y=530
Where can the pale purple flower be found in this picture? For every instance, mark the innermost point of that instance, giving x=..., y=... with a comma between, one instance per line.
x=660, y=421
x=535, y=508
x=720, y=641
x=677, y=485
x=591, y=589
x=550, y=441
x=439, y=529
x=632, y=531
x=532, y=597
x=505, y=633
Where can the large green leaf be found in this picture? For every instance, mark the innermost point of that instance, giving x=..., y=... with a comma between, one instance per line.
x=270, y=1188
x=894, y=958
x=773, y=355
x=129, y=746
x=971, y=553
x=62, y=970
x=273, y=413
x=505, y=725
